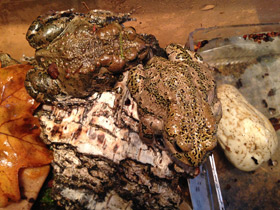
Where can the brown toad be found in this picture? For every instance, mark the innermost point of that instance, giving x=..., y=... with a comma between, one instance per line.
x=77, y=54
x=176, y=98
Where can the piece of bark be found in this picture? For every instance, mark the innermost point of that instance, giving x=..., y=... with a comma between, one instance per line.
x=100, y=163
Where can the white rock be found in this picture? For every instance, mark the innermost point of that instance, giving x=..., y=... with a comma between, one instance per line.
x=246, y=135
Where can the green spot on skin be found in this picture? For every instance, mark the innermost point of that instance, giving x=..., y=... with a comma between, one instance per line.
x=121, y=45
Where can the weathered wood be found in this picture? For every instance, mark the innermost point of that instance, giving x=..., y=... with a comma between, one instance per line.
x=102, y=164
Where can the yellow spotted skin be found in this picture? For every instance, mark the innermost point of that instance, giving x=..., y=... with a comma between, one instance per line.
x=175, y=99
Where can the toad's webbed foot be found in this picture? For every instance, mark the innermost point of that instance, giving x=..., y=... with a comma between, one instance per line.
x=41, y=86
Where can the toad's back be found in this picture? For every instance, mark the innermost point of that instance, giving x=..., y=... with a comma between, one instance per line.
x=179, y=94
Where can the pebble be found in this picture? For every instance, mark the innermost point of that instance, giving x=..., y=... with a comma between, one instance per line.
x=245, y=134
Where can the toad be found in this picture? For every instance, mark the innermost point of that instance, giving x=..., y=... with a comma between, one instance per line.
x=177, y=100
x=78, y=54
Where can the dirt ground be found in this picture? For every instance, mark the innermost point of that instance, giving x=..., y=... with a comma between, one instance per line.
x=170, y=21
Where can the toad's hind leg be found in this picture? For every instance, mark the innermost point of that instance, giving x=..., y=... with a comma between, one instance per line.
x=174, y=137
x=149, y=127
x=41, y=86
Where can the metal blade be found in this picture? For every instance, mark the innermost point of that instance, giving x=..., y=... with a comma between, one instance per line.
x=205, y=188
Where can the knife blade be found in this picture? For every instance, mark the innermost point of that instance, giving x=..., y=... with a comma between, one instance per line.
x=205, y=188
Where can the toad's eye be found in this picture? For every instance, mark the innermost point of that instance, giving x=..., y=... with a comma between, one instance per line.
x=47, y=27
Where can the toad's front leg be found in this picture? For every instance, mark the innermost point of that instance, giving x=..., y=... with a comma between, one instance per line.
x=122, y=94
x=149, y=128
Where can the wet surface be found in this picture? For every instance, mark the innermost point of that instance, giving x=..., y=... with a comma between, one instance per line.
x=169, y=21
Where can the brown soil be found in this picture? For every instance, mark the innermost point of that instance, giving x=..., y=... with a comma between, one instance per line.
x=169, y=21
